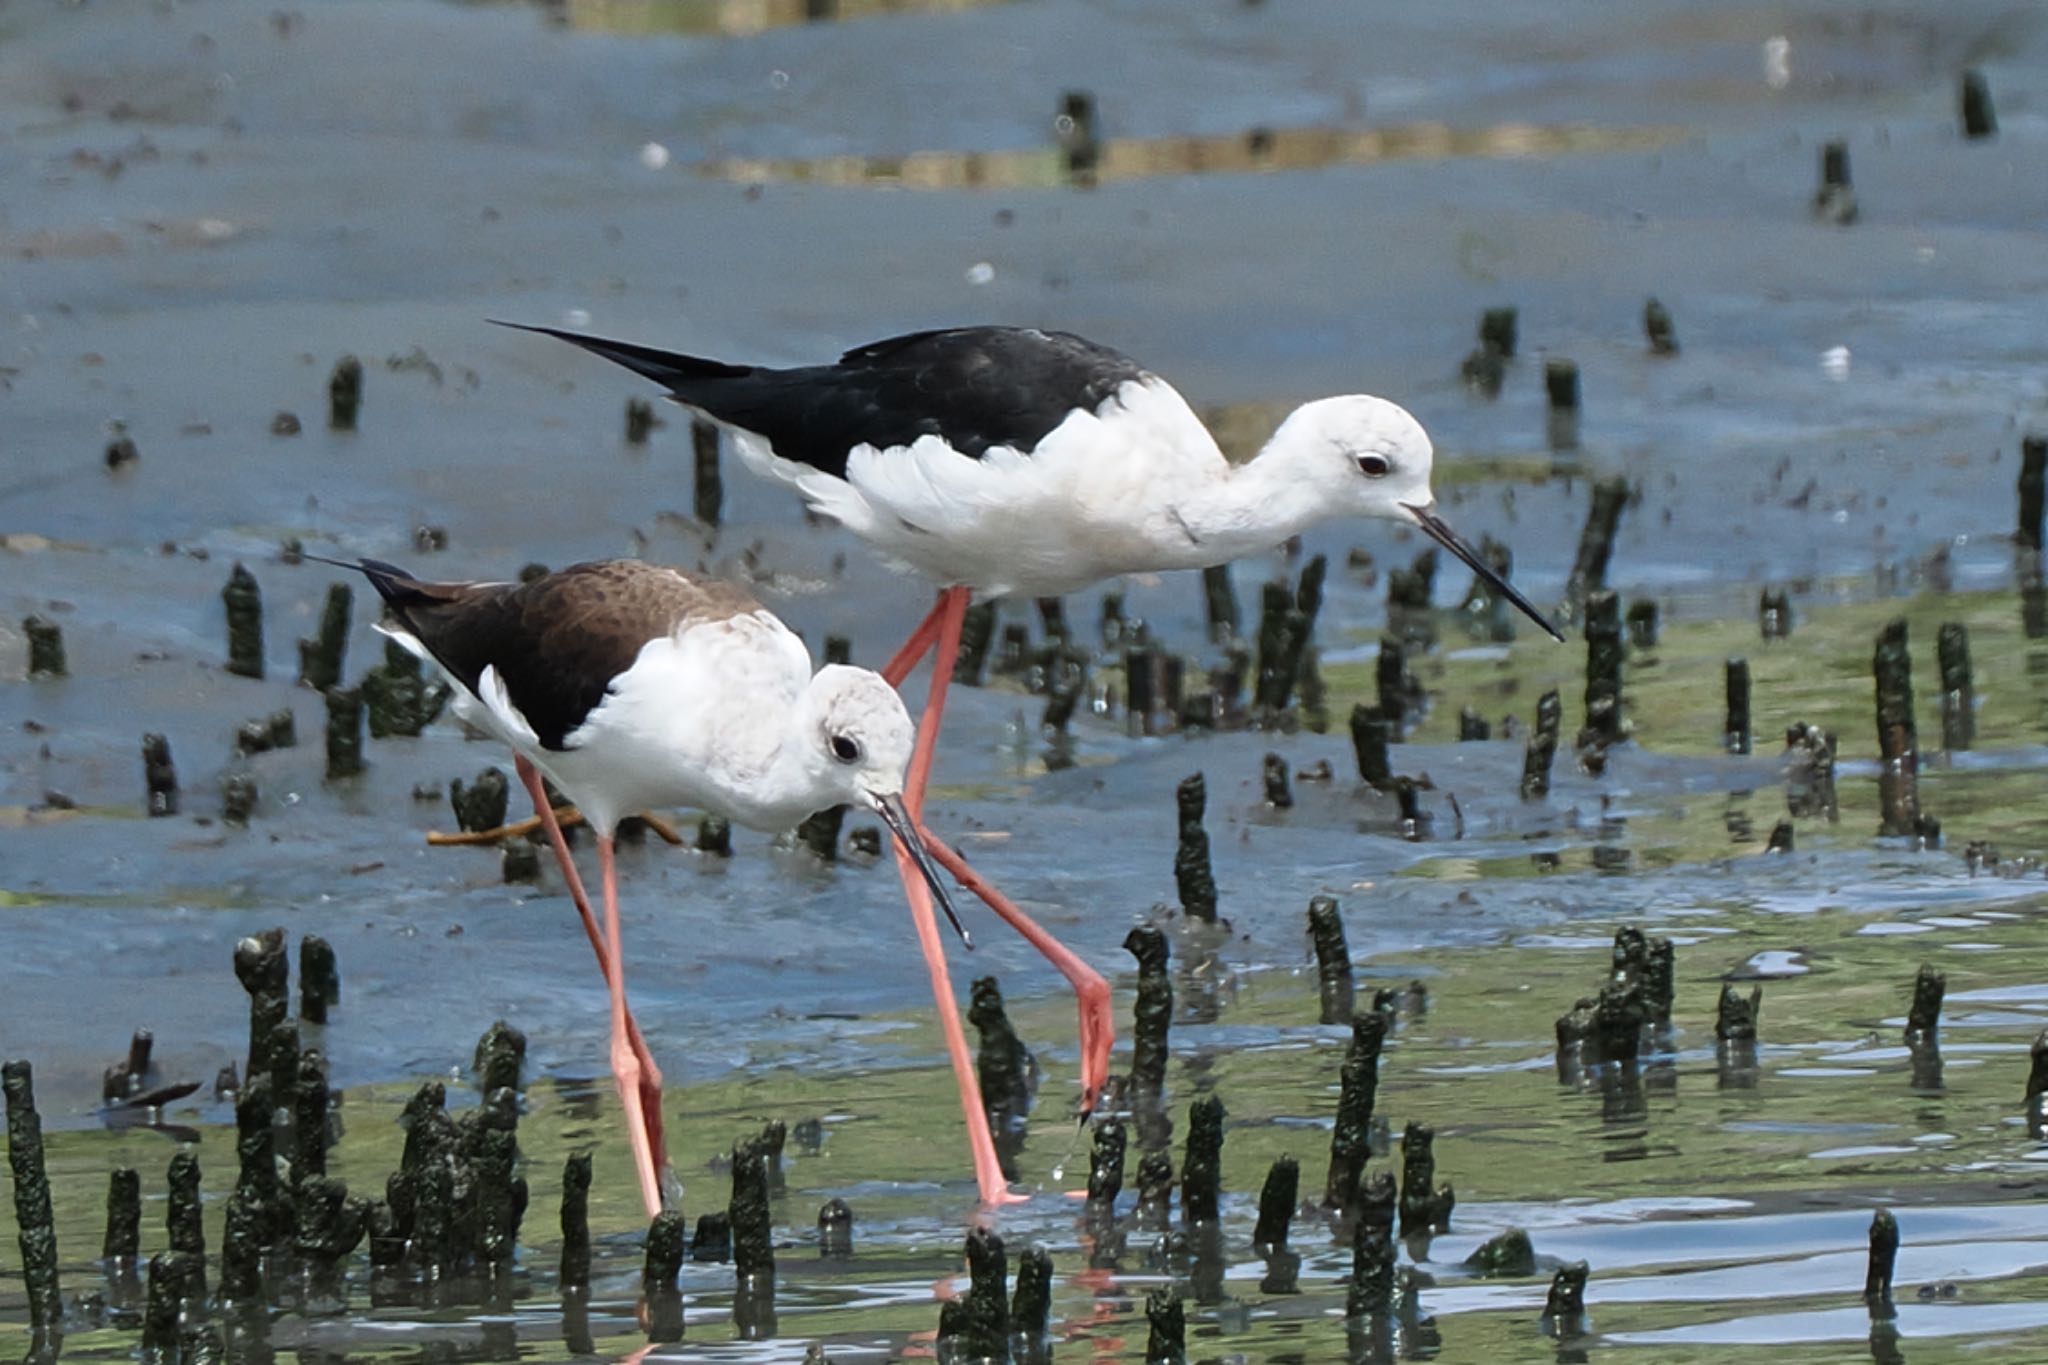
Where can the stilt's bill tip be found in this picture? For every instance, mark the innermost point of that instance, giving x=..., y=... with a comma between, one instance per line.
x=905, y=828
x=1439, y=530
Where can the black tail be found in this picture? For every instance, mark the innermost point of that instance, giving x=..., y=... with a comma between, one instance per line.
x=664, y=367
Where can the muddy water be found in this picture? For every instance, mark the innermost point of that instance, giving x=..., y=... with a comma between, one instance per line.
x=209, y=204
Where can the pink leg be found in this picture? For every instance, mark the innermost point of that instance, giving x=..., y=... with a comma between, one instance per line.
x=625, y=1066
x=650, y=1074
x=1091, y=992
x=988, y=1168
x=950, y=612
x=917, y=646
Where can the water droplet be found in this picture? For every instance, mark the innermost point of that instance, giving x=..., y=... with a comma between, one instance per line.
x=654, y=156
x=981, y=272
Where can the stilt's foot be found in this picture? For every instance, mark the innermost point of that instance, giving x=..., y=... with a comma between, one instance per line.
x=1003, y=1194
x=1098, y=1036
x=626, y=1073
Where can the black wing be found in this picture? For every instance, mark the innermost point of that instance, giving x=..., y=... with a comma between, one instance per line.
x=556, y=642
x=973, y=387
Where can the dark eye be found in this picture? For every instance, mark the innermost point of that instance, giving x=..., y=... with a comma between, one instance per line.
x=1375, y=466
x=846, y=748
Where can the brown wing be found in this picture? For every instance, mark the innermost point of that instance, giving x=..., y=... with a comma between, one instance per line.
x=556, y=642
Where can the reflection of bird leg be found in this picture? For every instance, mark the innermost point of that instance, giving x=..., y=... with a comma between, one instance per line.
x=567, y=816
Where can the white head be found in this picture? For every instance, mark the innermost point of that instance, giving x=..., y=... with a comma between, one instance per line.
x=1364, y=456
x=858, y=740
x=1368, y=457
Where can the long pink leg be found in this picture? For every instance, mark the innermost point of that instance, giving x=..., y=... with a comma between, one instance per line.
x=988, y=1168
x=917, y=646
x=625, y=1065
x=1091, y=992
x=650, y=1074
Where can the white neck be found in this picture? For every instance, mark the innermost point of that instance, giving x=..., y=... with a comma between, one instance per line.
x=1257, y=505
x=789, y=782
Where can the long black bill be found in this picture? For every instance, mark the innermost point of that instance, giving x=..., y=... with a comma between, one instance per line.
x=1440, y=531
x=905, y=829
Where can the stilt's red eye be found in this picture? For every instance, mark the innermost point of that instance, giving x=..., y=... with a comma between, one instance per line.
x=1375, y=466
x=846, y=748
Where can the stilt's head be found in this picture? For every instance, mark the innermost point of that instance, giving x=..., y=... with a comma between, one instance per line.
x=1368, y=457
x=861, y=752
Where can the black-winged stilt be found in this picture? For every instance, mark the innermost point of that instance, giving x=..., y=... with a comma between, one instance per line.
x=1004, y=460
x=633, y=685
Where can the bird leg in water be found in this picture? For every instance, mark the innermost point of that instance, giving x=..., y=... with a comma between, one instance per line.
x=627, y=1067
x=1091, y=992
x=650, y=1074
x=988, y=1167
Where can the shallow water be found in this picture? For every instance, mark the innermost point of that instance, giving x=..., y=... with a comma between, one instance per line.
x=208, y=203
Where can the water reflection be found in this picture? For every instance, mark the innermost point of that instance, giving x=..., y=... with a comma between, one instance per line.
x=1255, y=150
x=736, y=18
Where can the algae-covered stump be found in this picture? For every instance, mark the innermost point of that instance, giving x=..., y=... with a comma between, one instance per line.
x=708, y=484
x=1958, y=689
x=1201, y=1170
x=977, y=632
x=1105, y=1167
x=1277, y=1198
x=344, y=732
x=575, y=1222
x=1835, y=200
x=1564, y=1308
x=819, y=833
x=1973, y=95
x=662, y=1264
x=1031, y=1306
x=345, y=394
x=265, y=973
x=1596, y=541
x=319, y=979
x=1736, y=1017
x=1370, y=1291
x=835, y=1230
x=2033, y=492
x=1351, y=1137
x=321, y=658
x=1003, y=1066
x=1897, y=739
x=1153, y=1013
x=45, y=648
x=1219, y=601
x=1884, y=1254
x=1658, y=328
x=1541, y=749
x=34, y=1222
x=1333, y=960
x=1604, y=656
x=1191, y=872
x=1735, y=730
x=1923, y=1017
x=1166, y=1325
x=1370, y=732
x=244, y=602
x=159, y=775
x=123, y=1240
